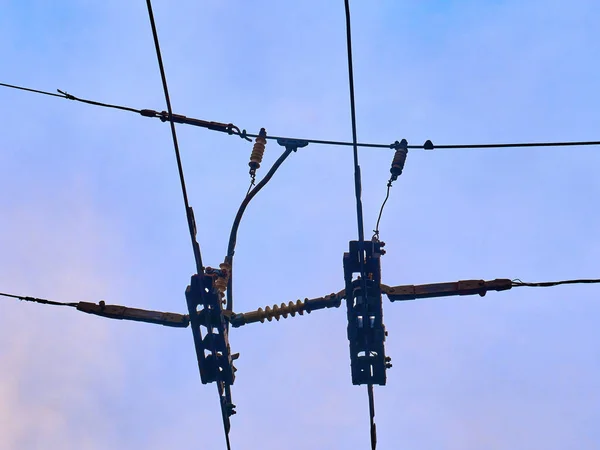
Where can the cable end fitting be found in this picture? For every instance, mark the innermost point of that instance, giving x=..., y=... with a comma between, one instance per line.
x=149, y=113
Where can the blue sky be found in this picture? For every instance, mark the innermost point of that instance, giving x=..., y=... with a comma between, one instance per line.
x=92, y=210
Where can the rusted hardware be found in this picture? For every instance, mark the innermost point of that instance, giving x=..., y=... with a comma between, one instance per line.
x=276, y=312
x=399, y=159
x=138, y=315
x=366, y=331
x=178, y=118
x=211, y=334
x=258, y=151
x=463, y=287
x=222, y=277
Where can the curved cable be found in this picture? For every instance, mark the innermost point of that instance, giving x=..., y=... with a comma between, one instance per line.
x=238, y=219
x=189, y=214
x=387, y=195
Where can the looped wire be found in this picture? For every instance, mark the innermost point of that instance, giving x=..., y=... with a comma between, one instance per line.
x=232, y=129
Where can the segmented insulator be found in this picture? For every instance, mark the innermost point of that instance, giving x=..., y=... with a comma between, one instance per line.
x=258, y=151
x=399, y=159
x=277, y=311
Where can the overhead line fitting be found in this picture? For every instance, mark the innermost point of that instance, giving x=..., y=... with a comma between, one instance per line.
x=234, y=130
x=395, y=170
x=116, y=311
x=276, y=312
x=463, y=287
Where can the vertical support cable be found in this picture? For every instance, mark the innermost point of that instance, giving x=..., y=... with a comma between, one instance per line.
x=357, y=181
x=359, y=211
x=188, y=209
x=189, y=212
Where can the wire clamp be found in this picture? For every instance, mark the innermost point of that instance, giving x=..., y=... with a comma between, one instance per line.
x=292, y=144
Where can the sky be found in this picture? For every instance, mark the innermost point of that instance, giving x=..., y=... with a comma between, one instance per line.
x=92, y=210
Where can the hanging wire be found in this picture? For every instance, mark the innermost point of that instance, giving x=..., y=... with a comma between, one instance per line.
x=238, y=219
x=233, y=130
x=222, y=390
x=359, y=211
x=387, y=195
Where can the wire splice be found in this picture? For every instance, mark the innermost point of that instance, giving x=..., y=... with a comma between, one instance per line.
x=291, y=308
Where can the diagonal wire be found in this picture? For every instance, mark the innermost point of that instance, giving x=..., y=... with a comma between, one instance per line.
x=359, y=211
x=191, y=221
x=191, y=224
x=238, y=218
x=387, y=196
x=38, y=300
x=63, y=94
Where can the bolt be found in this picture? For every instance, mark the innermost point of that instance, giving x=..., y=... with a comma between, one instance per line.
x=388, y=366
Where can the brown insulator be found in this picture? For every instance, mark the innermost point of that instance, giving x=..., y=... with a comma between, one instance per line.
x=258, y=151
x=221, y=282
x=399, y=159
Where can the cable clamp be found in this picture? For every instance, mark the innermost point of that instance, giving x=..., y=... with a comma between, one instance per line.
x=292, y=144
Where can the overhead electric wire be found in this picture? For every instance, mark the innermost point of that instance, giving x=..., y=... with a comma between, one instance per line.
x=116, y=311
x=238, y=219
x=233, y=130
x=68, y=96
x=189, y=213
x=518, y=283
x=38, y=300
x=359, y=210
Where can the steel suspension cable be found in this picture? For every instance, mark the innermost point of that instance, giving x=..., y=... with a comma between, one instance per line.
x=359, y=210
x=188, y=210
x=189, y=213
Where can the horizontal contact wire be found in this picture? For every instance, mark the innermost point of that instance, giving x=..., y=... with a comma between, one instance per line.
x=235, y=131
